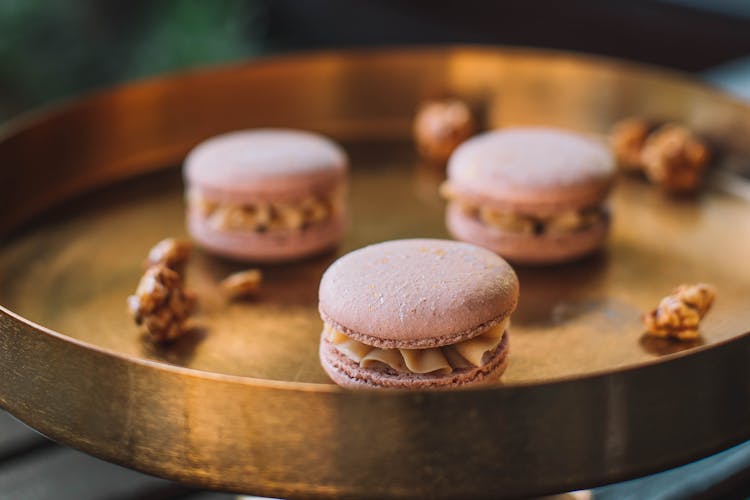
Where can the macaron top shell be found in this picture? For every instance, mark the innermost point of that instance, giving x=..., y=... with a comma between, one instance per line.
x=264, y=162
x=529, y=166
x=418, y=292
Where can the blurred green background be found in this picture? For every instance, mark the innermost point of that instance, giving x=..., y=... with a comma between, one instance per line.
x=57, y=48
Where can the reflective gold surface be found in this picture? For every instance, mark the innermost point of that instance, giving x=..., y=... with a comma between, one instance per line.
x=73, y=275
x=254, y=412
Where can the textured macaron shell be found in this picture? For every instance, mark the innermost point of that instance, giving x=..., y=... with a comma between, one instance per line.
x=348, y=373
x=264, y=164
x=527, y=248
x=533, y=170
x=272, y=246
x=417, y=293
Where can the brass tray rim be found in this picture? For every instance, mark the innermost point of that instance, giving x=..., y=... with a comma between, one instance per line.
x=332, y=388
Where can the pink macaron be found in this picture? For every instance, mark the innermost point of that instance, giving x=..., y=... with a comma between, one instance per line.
x=533, y=195
x=266, y=195
x=418, y=313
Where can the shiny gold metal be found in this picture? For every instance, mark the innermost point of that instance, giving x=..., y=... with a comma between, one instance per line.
x=241, y=403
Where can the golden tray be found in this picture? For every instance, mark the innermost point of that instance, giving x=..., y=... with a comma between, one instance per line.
x=241, y=403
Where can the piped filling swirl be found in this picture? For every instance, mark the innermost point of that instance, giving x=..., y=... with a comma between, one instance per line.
x=265, y=216
x=462, y=355
x=566, y=221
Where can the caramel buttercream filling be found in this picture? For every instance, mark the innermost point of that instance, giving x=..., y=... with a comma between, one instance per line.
x=263, y=216
x=567, y=221
x=438, y=360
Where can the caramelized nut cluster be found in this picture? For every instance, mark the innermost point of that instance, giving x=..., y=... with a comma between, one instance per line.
x=675, y=159
x=679, y=314
x=671, y=156
x=440, y=126
x=627, y=139
x=160, y=304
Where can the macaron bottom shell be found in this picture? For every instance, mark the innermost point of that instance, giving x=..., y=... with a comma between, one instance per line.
x=348, y=373
x=527, y=248
x=270, y=246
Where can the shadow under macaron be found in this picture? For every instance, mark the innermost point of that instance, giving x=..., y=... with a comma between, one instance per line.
x=551, y=295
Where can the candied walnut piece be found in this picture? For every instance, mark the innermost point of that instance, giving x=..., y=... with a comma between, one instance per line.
x=315, y=209
x=678, y=315
x=242, y=284
x=627, y=139
x=700, y=297
x=197, y=201
x=288, y=216
x=568, y=221
x=675, y=159
x=160, y=304
x=171, y=252
x=440, y=126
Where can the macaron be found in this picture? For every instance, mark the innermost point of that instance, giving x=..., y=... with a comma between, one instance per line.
x=419, y=313
x=266, y=195
x=533, y=195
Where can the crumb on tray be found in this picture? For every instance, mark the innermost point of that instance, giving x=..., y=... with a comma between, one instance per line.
x=242, y=284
